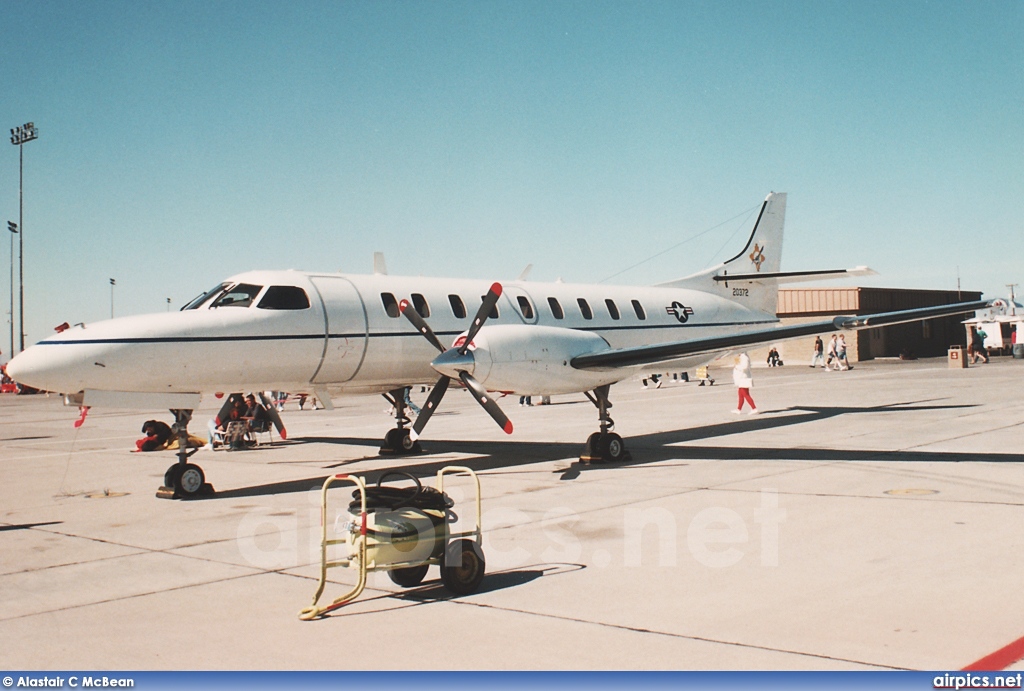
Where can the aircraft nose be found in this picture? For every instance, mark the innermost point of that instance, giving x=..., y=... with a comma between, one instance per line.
x=24, y=368
x=47, y=369
x=451, y=362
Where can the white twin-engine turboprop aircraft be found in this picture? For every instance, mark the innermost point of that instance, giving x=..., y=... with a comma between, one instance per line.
x=336, y=334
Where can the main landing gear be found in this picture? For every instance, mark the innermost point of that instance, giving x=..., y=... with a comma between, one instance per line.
x=604, y=446
x=183, y=480
x=398, y=441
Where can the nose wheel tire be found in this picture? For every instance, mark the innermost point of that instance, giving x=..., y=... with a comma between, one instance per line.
x=400, y=443
x=462, y=568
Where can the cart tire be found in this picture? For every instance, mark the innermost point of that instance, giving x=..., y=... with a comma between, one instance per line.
x=462, y=568
x=408, y=577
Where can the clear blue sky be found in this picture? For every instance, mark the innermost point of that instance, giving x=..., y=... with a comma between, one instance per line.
x=182, y=142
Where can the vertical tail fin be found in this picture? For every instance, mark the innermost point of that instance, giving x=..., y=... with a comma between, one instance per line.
x=761, y=255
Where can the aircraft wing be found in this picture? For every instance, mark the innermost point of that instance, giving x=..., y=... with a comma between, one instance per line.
x=662, y=352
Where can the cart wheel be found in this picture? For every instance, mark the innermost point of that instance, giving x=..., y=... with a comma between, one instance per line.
x=409, y=577
x=462, y=568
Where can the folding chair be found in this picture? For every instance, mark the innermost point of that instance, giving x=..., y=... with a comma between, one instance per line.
x=235, y=434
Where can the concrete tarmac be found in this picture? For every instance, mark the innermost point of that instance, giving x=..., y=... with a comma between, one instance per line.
x=869, y=519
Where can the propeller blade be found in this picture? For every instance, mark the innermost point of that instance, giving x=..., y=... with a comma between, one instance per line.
x=274, y=416
x=490, y=300
x=484, y=399
x=413, y=316
x=433, y=400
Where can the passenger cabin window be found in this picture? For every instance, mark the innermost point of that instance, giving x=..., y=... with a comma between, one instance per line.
x=613, y=309
x=197, y=302
x=420, y=303
x=525, y=307
x=284, y=298
x=639, y=309
x=556, y=309
x=390, y=304
x=240, y=295
x=458, y=306
x=494, y=310
x=585, y=308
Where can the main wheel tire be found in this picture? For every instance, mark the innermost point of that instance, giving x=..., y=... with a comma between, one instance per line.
x=612, y=448
x=406, y=441
x=462, y=568
x=409, y=577
x=190, y=480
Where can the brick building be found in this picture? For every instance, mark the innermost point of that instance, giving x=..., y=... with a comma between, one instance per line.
x=930, y=338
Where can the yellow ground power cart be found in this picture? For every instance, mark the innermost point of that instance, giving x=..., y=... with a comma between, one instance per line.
x=401, y=530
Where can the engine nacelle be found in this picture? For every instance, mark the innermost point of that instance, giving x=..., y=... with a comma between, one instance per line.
x=535, y=359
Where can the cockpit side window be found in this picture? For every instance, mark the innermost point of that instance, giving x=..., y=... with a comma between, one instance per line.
x=197, y=302
x=240, y=295
x=284, y=298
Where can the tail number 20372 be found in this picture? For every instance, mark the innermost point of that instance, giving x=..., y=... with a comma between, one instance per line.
x=740, y=292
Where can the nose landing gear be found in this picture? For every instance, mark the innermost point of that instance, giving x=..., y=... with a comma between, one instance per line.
x=183, y=480
x=398, y=441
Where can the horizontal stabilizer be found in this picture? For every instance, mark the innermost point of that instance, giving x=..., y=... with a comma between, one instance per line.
x=796, y=276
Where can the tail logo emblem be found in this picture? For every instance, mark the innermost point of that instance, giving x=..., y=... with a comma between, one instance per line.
x=680, y=311
x=757, y=256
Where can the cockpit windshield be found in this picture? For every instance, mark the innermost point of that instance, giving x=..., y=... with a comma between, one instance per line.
x=239, y=295
x=196, y=302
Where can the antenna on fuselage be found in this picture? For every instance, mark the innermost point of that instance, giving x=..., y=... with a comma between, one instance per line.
x=379, y=267
x=526, y=272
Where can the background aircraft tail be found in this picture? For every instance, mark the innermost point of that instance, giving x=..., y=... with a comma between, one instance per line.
x=755, y=270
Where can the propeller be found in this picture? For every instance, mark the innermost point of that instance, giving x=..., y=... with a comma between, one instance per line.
x=456, y=362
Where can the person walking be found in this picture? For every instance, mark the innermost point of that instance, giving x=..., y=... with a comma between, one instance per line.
x=841, y=360
x=832, y=354
x=743, y=380
x=978, y=349
x=819, y=352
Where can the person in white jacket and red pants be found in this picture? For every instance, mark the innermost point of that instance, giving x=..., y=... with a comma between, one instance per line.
x=743, y=380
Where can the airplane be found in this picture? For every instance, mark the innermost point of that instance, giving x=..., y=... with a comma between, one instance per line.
x=338, y=334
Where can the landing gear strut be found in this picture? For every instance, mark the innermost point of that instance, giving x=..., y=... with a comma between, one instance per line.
x=604, y=446
x=398, y=442
x=183, y=480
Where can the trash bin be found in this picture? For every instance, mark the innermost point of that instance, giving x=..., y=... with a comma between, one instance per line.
x=1018, y=351
x=957, y=357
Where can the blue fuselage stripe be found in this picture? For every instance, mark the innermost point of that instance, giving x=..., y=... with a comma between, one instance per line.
x=397, y=334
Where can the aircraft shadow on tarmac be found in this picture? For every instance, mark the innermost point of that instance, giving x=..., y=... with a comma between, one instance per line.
x=645, y=449
x=27, y=526
x=432, y=591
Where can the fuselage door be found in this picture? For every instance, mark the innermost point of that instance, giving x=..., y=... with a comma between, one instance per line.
x=345, y=317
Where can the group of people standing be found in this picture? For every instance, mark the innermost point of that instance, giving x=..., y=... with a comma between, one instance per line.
x=836, y=359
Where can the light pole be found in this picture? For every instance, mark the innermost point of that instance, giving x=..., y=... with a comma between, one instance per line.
x=19, y=136
x=112, y=284
x=13, y=227
x=168, y=304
